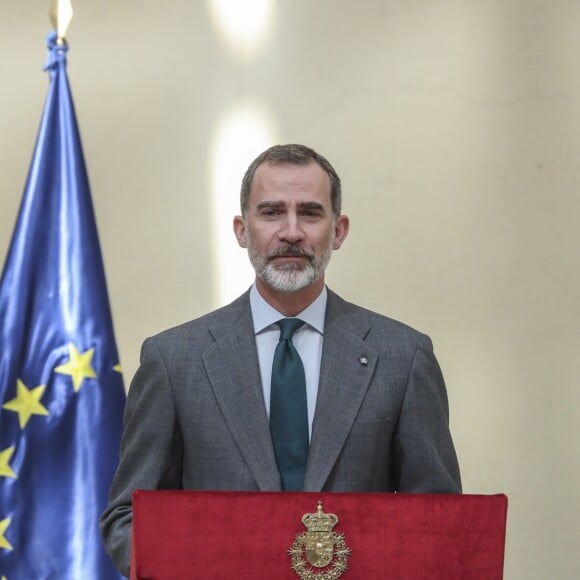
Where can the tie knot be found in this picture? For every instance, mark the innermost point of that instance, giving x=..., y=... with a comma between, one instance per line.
x=288, y=327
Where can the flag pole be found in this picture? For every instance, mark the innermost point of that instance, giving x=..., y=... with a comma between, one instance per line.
x=61, y=14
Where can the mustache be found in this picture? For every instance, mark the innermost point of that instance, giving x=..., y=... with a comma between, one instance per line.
x=291, y=251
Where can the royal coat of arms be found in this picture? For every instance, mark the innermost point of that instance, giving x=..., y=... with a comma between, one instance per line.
x=319, y=553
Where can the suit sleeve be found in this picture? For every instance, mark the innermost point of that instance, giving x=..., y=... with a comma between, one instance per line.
x=151, y=451
x=424, y=458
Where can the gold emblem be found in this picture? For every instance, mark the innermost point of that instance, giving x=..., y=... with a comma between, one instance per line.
x=326, y=551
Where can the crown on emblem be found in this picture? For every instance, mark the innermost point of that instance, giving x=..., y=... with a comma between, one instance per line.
x=319, y=522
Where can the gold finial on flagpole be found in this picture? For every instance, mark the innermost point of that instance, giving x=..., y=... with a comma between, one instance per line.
x=61, y=14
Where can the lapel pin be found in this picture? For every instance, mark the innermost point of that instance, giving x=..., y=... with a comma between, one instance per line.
x=363, y=361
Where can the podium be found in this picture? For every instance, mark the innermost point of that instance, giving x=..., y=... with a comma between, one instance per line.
x=182, y=535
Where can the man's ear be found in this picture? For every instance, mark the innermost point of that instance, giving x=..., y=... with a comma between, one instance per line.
x=341, y=228
x=240, y=231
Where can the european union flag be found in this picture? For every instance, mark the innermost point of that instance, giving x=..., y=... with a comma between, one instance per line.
x=61, y=390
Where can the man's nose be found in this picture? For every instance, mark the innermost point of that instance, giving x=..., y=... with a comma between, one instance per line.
x=291, y=230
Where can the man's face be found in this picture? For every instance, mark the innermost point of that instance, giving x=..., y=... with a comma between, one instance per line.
x=289, y=228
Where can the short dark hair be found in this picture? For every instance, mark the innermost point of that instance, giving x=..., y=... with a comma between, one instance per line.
x=294, y=154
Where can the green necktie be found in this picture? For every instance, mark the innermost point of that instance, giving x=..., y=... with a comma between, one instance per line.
x=288, y=409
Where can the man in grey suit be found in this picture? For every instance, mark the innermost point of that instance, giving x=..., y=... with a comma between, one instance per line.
x=201, y=411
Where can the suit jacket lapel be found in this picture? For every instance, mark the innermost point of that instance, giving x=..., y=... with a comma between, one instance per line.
x=345, y=373
x=232, y=367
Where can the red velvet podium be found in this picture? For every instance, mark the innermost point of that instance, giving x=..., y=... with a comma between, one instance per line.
x=181, y=535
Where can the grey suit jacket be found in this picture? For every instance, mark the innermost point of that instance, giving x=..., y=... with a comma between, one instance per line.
x=195, y=415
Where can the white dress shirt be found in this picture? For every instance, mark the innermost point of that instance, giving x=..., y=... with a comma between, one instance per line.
x=307, y=340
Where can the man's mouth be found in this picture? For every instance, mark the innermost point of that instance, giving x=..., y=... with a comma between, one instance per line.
x=290, y=255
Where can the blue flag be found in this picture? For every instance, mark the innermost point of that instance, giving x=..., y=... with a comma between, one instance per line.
x=61, y=389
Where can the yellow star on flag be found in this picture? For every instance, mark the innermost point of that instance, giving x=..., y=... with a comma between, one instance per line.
x=27, y=403
x=5, y=457
x=4, y=543
x=118, y=368
x=79, y=366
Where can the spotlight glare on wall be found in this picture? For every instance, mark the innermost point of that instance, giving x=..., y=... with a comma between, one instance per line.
x=243, y=23
x=243, y=135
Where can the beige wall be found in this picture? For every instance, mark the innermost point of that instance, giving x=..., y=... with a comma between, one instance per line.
x=456, y=128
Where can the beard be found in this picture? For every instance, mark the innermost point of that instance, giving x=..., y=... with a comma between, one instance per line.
x=289, y=277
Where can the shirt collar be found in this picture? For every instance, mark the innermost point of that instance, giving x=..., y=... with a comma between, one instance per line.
x=264, y=315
